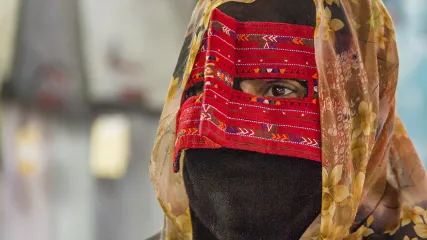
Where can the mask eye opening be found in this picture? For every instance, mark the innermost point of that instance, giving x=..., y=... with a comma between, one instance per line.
x=237, y=84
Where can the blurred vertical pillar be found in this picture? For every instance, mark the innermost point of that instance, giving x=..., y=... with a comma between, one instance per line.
x=47, y=78
x=132, y=54
x=9, y=14
x=26, y=203
x=47, y=70
x=72, y=189
x=127, y=208
x=49, y=195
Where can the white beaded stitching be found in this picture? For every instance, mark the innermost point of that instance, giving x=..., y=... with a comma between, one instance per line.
x=222, y=40
x=279, y=49
x=244, y=135
x=284, y=64
x=252, y=121
x=281, y=36
x=266, y=108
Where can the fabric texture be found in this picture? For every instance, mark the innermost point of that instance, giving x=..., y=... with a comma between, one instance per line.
x=373, y=183
x=237, y=194
x=225, y=117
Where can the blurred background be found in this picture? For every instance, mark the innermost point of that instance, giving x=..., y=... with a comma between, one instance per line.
x=83, y=83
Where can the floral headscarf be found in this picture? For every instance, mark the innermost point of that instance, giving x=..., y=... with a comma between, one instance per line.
x=374, y=184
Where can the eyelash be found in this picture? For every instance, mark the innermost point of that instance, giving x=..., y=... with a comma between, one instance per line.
x=273, y=85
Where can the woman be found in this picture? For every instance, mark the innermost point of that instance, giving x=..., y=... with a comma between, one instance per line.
x=280, y=129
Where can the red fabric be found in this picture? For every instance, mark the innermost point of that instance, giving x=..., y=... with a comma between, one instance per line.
x=225, y=117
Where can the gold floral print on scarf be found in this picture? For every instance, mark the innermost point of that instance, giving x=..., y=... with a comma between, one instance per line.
x=367, y=157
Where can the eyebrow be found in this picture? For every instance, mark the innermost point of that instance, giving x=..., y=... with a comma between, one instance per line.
x=240, y=80
x=272, y=80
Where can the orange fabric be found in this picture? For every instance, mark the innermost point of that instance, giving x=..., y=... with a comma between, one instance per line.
x=374, y=183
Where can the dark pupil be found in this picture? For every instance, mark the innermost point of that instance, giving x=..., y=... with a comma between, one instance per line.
x=278, y=91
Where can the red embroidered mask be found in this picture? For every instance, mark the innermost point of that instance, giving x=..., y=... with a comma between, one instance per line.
x=223, y=116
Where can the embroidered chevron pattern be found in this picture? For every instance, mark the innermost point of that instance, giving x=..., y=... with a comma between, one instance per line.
x=242, y=37
x=222, y=126
x=205, y=116
x=206, y=107
x=190, y=130
x=270, y=38
x=282, y=137
x=309, y=141
x=297, y=41
x=226, y=30
x=245, y=131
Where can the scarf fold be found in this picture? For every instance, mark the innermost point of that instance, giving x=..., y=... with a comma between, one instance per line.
x=374, y=185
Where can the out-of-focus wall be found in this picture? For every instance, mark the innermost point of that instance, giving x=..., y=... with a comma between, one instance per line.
x=76, y=61
x=411, y=27
x=132, y=45
x=127, y=208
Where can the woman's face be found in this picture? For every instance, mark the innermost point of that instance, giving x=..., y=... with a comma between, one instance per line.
x=276, y=88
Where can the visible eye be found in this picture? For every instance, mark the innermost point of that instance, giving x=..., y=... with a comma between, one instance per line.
x=279, y=91
x=278, y=88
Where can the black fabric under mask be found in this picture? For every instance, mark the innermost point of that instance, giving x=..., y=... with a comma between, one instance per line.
x=236, y=194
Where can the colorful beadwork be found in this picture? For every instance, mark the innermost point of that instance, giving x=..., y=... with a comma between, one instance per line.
x=225, y=117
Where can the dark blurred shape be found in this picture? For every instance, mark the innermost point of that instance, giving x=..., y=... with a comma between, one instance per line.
x=47, y=71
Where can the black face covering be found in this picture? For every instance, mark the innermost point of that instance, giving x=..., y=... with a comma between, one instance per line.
x=237, y=194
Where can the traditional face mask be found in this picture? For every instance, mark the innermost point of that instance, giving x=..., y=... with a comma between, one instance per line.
x=224, y=117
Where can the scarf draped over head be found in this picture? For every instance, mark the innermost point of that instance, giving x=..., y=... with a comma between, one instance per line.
x=374, y=184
